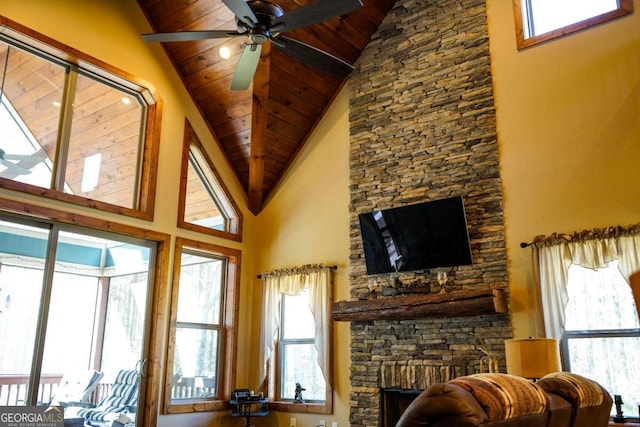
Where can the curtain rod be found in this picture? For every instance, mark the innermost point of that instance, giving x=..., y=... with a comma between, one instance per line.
x=595, y=233
x=332, y=267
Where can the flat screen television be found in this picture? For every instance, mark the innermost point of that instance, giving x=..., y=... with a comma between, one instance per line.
x=416, y=237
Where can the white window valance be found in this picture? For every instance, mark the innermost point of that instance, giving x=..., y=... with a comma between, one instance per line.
x=594, y=249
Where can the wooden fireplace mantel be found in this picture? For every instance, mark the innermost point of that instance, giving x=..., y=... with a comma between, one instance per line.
x=454, y=303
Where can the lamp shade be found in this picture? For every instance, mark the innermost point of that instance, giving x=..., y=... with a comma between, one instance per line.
x=532, y=357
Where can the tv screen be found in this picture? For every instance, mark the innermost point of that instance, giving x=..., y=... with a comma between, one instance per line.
x=416, y=237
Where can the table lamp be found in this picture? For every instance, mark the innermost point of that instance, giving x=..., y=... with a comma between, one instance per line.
x=532, y=358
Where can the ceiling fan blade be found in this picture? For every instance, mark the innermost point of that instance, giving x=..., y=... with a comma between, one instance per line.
x=15, y=168
x=315, y=57
x=246, y=68
x=243, y=12
x=313, y=13
x=184, y=36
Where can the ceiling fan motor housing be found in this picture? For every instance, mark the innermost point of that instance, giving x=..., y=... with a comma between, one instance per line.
x=265, y=12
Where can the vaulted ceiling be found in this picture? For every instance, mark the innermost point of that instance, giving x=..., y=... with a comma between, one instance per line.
x=262, y=128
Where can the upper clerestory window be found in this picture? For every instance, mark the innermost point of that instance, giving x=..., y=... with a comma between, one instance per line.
x=74, y=129
x=538, y=21
x=205, y=204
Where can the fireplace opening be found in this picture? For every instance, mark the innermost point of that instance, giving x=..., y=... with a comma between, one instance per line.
x=394, y=402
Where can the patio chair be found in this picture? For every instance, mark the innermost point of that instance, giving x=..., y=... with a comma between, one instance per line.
x=75, y=387
x=119, y=405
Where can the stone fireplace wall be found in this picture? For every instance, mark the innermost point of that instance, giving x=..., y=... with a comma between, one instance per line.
x=422, y=126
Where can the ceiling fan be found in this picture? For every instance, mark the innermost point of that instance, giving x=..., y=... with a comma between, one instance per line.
x=4, y=160
x=263, y=21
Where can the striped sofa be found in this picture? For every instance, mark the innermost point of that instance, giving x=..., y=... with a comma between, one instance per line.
x=502, y=400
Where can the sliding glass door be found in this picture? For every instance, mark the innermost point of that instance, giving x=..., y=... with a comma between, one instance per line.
x=21, y=279
x=73, y=314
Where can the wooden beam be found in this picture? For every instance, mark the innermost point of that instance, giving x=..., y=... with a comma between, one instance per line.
x=259, y=130
x=455, y=303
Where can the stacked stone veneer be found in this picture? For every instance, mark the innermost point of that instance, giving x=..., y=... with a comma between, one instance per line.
x=423, y=128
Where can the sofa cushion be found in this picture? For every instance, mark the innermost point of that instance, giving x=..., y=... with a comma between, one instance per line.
x=578, y=390
x=504, y=396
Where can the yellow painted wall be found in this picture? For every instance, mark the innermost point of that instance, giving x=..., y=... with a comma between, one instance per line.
x=568, y=117
x=307, y=222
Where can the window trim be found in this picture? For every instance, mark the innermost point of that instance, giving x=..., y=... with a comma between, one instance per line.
x=273, y=375
x=147, y=415
x=228, y=347
x=40, y=44
x=625, y=7
x=230, y=208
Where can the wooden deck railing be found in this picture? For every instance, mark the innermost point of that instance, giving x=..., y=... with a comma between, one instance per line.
x=13, y=388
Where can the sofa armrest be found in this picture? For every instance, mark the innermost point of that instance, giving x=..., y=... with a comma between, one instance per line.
x=443, y=402
x=576, y=389
x=590, y=402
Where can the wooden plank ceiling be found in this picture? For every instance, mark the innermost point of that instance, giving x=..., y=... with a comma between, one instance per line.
x=260, y=129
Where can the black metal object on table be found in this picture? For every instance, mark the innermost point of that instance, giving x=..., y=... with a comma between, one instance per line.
x=245, y=404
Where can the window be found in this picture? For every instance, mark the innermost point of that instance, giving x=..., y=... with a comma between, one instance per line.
x=72, y=130
x=602, y=332
x=296, y=339
x=73, y=300
x=203, y=332
x=588, y=283
x=538, y=21
x=298, y=361
x=205, y=203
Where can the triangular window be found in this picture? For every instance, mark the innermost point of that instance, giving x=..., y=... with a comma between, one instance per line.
x=205, y=203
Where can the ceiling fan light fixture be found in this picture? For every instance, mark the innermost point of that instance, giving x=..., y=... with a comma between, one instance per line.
x=224, y=52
